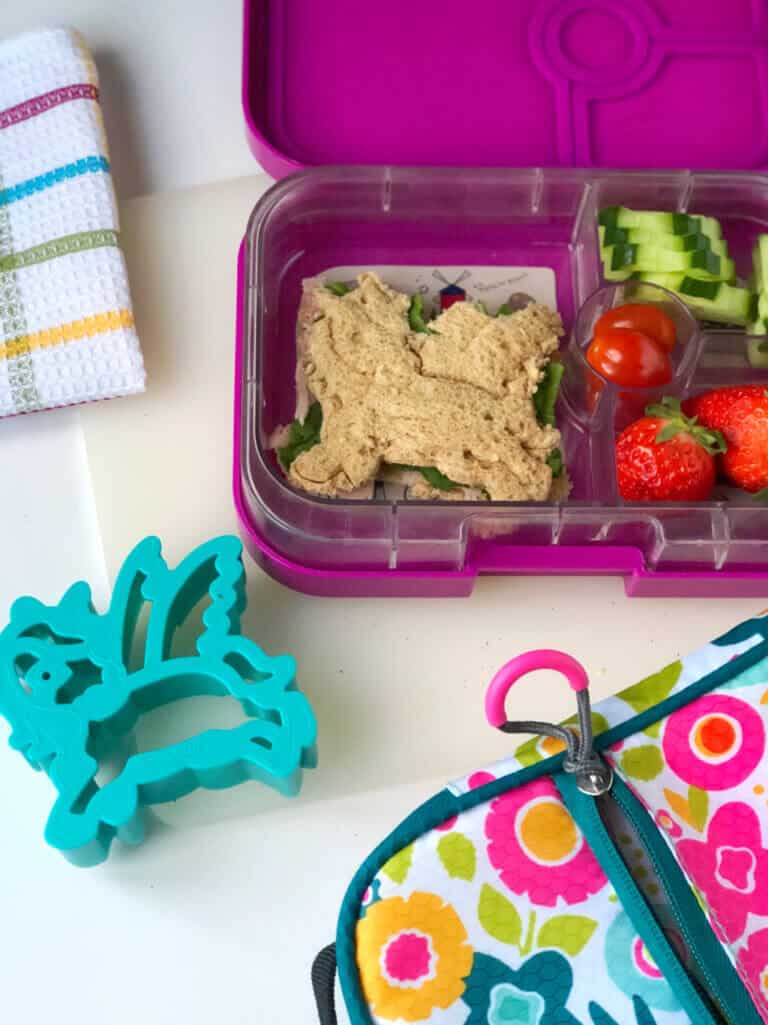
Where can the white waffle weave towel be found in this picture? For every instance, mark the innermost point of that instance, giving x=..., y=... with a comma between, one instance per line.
x=66, y=325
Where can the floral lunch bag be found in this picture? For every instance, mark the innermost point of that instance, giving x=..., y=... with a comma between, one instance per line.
x=614, y=871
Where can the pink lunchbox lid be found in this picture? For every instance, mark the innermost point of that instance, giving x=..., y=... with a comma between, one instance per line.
x=586, y=83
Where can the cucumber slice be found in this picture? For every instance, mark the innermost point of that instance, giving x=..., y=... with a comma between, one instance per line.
x=617, y=275
x=649, y=220
x=700, y=262
x=757, y=350
x=659, y=222
x=760, y=263
x=759, y=326
x=710, y=226
x=709, y=300
x=662, y=240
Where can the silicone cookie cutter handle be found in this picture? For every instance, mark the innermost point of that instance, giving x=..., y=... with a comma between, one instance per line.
x=529, y=662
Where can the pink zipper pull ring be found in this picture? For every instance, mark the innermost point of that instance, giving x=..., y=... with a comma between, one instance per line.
x=592, y=774
x=529, y=662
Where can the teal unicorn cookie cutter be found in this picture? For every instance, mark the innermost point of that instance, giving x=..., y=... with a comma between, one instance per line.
x=72, y=691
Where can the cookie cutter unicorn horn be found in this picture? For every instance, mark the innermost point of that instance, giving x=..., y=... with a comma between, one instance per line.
x=71, y=693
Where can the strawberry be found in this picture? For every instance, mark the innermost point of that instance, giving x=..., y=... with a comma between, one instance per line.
x=667, y=457
x=741, y=414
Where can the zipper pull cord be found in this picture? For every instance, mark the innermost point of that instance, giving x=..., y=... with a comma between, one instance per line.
x=593, y=775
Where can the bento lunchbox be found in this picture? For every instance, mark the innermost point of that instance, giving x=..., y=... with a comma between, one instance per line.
x=565, y=85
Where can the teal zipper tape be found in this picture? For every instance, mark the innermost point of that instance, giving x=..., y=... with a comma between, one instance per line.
x=586, y=813
x=731, y=993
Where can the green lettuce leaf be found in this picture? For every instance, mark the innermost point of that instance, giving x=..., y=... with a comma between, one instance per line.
x=416, y=320
x=302, y=436
x=555, y=462
x=545, y=396
x=431, y=475
x=438, y=480
x=337, y=287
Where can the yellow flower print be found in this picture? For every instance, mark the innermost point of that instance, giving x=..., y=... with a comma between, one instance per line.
x=412, y=955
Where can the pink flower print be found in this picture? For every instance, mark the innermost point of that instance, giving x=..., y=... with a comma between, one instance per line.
x=730, y=868
x=448, y=824
x=752, y=963
x=538, y=849
x=409, y=958
x=479, y=779
x=665, y=821
x=715, y=742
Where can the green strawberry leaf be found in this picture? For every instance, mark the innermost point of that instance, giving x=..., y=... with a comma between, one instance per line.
x=698, y=804
x=498, y=916
x=458, y=856
x=669, y=431
x=545, y=396
x=652, y=689
x=569, y=933
x=676, y=422
x=302, y=436
x=399, y=865
x=643, y=763
x=670, y=406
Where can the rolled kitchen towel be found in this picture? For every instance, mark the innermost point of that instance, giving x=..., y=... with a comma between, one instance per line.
x=67, y=333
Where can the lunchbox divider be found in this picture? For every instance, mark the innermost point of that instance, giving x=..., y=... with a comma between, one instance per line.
x=586, y=814
x=585, y=252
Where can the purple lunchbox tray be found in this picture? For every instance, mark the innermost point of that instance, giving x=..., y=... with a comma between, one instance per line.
x=530, y=85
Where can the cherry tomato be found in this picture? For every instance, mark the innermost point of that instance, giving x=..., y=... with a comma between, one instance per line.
x=630, y=358
x=651, y=320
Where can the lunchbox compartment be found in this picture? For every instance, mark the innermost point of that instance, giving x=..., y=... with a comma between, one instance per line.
x=484, y=217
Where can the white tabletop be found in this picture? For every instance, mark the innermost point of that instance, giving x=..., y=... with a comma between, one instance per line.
x=216, y=918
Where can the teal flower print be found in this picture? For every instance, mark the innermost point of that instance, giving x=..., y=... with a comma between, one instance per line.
x=642, y=1015
x=512, y=1006
x=534, y=994
x=633, y=969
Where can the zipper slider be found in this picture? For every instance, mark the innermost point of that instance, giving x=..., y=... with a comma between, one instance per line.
x=593, y=776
